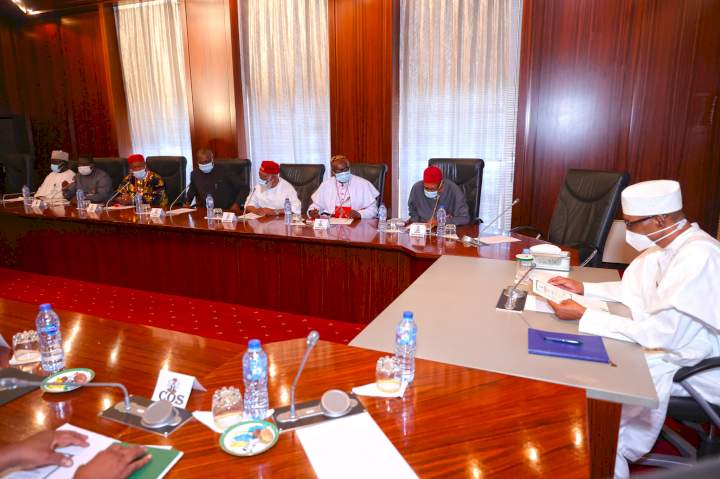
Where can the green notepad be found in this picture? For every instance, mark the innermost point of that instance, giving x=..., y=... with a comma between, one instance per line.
x=162, y=461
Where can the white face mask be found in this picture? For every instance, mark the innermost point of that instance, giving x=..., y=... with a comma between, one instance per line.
x=84, y=170
x=641, y=242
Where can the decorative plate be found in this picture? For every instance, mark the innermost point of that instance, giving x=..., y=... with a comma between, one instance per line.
x=55, y=383
x=249, y=438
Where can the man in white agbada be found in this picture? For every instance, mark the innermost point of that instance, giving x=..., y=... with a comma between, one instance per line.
x=344, y=194
x=58, y=180
x=268, y=196
x=673, y=292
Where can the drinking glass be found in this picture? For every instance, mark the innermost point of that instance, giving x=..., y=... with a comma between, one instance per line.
x=26, y=347
x=227, y=407
x=450, y=230
x=387, y=374
x=217, y=213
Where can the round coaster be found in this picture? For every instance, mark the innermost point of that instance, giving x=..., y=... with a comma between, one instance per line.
x=55, y=383
x=249, y=438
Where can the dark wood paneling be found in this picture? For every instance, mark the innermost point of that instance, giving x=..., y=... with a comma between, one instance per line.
x=619, y=85
x=363, y=87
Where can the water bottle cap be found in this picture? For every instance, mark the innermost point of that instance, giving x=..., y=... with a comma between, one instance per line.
x=254, y=344
x=45, y=307
x=408, y=315
x=526, y=251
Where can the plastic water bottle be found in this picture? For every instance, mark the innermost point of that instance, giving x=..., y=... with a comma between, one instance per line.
x=405, y=345
x=209, y=205
x=80, y=198
x=138, y=202
x=382, y=218
x=47, y=323
x=288, y=211
x=255, y=370
x=26, y=195
x=441, y=219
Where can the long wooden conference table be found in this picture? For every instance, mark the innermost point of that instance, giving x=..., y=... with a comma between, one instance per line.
x=347, y=273
x=452, y=422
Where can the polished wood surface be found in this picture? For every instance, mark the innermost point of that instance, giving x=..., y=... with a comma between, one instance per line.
x=260, y=263
x=604, y=421
x=619, y=85
x=452, y=422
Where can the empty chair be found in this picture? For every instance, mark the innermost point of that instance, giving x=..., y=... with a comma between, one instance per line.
x=240, y=168
x=116, y=168
x=467, y=173
x=18, y=171
x=374, y=173
x=304, y=178
x=173, y=172
x=584, y=211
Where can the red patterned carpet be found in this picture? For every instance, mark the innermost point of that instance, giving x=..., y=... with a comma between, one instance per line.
x=211, y=319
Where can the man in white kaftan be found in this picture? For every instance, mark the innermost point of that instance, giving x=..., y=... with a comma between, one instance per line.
x=344, y=194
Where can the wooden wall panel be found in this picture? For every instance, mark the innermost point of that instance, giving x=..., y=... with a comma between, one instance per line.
x=363, y=83
x=10, y=101
x=619, y=85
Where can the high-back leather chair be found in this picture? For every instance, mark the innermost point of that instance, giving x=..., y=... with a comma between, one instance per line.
x=374, y=173
x=241, y=169
x=584, y=212
x=18, y=171
x=467, y=173
x=116, y=168
x=173, y=171
x=304, y=178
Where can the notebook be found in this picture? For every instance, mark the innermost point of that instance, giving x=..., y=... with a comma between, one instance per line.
x=545, y=343
x=162, y=461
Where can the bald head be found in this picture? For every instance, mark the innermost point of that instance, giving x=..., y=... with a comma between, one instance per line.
x=339, y=163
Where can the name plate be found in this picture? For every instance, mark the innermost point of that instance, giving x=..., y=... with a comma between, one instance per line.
x=321, y=223
x=175, y=387
x=92, y=208
x=157, y=213
x=229, y=217
x=418, y=229
x=37, y=203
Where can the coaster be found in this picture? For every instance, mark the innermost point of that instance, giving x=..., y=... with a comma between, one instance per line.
x=249, y=438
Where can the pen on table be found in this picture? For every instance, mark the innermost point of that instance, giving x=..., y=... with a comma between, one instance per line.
x=574, y=342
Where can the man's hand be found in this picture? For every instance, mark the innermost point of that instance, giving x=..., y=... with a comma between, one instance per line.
x=39, y=450
x=65, y=185
x=115, y=462
x=568, y=309
x=354, y=215
x=314, y=214
x=267, y=212
x=568, y=284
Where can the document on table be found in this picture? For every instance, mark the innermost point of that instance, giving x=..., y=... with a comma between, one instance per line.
x=179, y=211
x=341, y=221
x=558, y=295
x=352, y=447
x=249, y=216
x=497, y=239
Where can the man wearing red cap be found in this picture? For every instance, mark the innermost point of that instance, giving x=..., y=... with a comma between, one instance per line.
x=142, y=181
x=268, y=196
x=431, y=193
x=227, y=190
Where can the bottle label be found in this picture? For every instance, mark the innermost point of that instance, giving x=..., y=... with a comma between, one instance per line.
x=405, y=337
x=50, y=330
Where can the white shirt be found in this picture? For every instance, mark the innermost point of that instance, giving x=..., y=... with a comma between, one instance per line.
x=358, y=193
x=51, y=188
x=274, y=198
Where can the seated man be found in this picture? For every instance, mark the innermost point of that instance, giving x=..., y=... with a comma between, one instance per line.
x=673, y=292
x=140, y=180
x=53, y=187
x=268, y=196
x=38, y=450
x=433, y=191
x=343, y=194
x=96, y=184
x=226, y=189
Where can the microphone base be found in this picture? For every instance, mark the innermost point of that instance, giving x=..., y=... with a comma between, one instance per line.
x=513, y=302
x=134, y=418
x=306, y=415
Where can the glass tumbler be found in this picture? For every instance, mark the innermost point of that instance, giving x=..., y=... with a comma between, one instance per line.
x=387, y=374
x=227, y=407
x=26, y=347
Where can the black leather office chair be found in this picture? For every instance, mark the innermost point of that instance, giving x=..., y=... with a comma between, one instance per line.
x=467, y=173
x=18, y=171
x=693, y=411
x=173, y=171
x=116, y=168
x=584, y=211
x=305, y=178
x=241, y=169
x=374, y=173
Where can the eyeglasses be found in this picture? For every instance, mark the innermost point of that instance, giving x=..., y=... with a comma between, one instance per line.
x=629, y=224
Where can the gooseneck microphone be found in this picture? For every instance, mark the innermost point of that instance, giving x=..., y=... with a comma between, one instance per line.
x=178, y=196
x=117, y=193
x=15, y=383
x=310, y=343
x=502, y=213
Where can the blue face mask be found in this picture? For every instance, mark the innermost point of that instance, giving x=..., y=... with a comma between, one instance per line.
x=140, y=174
x=431, y=194
x=262, y=182
x=206, y=167
x=55, y=168
x=343, y=177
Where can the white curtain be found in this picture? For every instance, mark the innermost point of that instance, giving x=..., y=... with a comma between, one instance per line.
x=458, y=92
x=284, y=50
x=153, y=63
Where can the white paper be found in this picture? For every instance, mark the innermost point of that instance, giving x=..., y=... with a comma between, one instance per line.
x=373, y=390
x=175, y=387
x=352, y=447
x=179, y=211
x=558, y=295
x=497, y=239
x=206, y=418
x=249, y=216
x=536, y=303
x=120, y=207
x=341, y=221
x=545, y=275
x=13, y=200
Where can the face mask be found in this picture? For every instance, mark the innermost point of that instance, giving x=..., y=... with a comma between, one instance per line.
x=262, y=182
x=140, y=174
x=343, y=177
x=206, y=167
x=431, y=194
x=641, y=242
x=55, y=168
x=84, y=170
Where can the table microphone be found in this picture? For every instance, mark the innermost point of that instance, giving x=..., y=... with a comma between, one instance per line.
x=502, y=213
x=310, y=342
x=178, y=196
x=116, y=193
x=15, y=383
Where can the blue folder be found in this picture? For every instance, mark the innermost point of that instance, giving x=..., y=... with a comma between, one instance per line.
x=546, y=343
